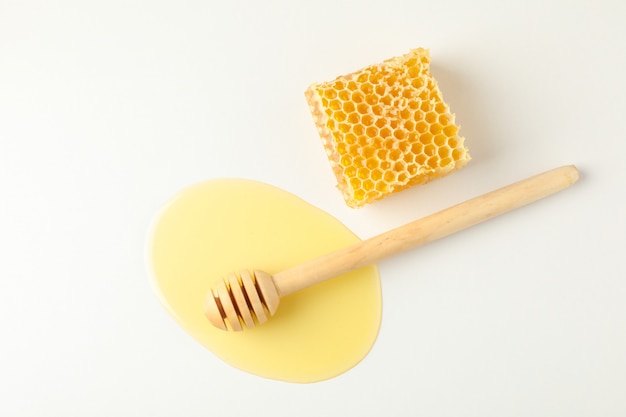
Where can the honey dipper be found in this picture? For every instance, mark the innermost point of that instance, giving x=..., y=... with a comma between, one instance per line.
x=248, y=299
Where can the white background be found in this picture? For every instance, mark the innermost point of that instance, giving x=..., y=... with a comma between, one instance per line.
x=108, y=108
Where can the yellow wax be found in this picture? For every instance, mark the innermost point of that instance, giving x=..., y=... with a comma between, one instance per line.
x=226, y=225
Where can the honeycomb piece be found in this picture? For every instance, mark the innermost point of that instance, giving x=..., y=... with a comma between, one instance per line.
x=386, y=128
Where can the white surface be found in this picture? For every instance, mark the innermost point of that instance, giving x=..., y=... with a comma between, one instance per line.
x=108, y=108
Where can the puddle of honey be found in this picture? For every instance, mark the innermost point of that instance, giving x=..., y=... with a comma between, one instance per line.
x=226, y=225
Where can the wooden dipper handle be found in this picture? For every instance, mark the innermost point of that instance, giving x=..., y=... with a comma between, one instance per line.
x=425, y=230
x=247, y=299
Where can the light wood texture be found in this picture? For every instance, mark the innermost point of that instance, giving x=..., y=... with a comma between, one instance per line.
x=222, y=306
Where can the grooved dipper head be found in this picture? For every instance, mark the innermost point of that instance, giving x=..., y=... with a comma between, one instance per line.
x=241, y=301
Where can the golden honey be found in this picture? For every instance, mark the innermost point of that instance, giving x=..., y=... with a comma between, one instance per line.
x=222, y=226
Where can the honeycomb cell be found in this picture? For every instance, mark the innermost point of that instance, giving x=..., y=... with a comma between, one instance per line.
x=363, y=108
x=350, y=138
x=440, y=141
x=339, y=116
x=381, y=122
x=330, y=94
x=358, y=97
x=372, y=163
x=382, y=187
x=375, y=77
x=358, y=161
x=417, y=83
x=421, y=126
x=389, y=144
x=431, y=117
x=367, y=88
x=363, y=173
x=368, y=185
x=371, y=131
x=363, y=141
x=400, y=168
x=363, y=77
x=430, y=150
x=435, y=128
x=404, y=147
x=338, y=85
x=368, y=153
x=359, y=194
x=426, y=138
x=444, y=120
x=349, y=107
x=450, y=131
x=386, y=128
x=389, y=177
x=367, y=120
x=395, y=155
